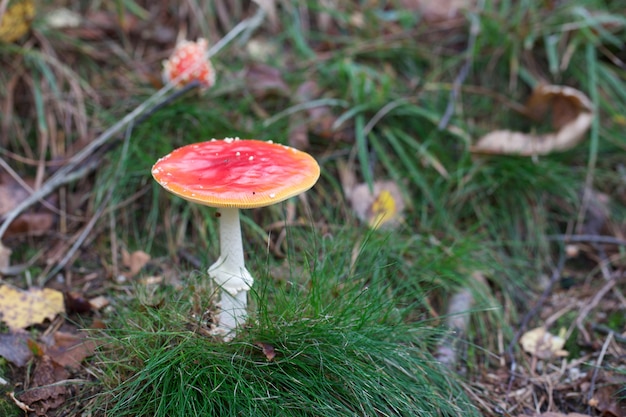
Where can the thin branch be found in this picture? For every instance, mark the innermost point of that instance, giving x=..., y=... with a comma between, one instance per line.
x=609, y=240
x=594, y=377
x=462, y=75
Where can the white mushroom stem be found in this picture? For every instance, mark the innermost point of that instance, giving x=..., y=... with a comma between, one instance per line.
x=230, y=274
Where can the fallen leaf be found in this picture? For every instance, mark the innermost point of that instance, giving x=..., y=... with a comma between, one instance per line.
x=263, y=80
x=542, y=344
x=572, y=114
x=63, y=18
x=14, y=348
x=16, y=20
x=99, y=302
x=318, y=120
x=382, y=206
x=76, y=303
x=44, y=394
x=20, y=309
x=134, y=262
x=268, y=350
x=606, y=399
x=69, y=349
x=12, y=194
x=263, y=49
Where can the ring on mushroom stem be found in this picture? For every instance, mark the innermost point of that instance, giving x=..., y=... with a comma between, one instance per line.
x=223, y=174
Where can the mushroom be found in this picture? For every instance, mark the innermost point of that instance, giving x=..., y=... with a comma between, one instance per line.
x=189, y=61
x=233, y=174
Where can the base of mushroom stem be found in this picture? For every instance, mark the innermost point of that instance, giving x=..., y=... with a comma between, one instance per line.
x=233, y=314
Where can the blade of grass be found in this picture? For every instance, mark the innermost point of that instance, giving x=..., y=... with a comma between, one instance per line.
x=363, y=151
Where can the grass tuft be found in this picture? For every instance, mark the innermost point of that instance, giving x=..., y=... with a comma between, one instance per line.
x=341, y=348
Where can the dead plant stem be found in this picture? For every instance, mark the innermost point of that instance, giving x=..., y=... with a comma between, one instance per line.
x=594, y=377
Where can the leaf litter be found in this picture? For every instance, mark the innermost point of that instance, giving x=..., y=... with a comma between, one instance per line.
x=20, y=309
x=572, y=114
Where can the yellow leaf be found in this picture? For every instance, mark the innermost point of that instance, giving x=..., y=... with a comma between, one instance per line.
x=16, y=20
x=542, y=344
x=383, y=209
x=20, y=309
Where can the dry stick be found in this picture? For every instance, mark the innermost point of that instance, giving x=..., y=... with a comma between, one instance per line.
x=591, y=305
x=63, y=175
x=609, y=240
x=556, y=274
x=462, y=75
x=601, y=328
x=594, y=377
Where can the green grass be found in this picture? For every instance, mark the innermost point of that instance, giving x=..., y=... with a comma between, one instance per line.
x=7, y=406
x=341, y=348
x=465, y=214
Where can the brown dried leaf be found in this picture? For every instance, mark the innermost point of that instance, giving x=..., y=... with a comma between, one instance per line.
x=264, y=80
x=11, y=195
x=44, y=395
x=69, y=349
x=268, y=350
x=14, y=348
x=99, y=302
x=572, y=114
x=76, y=303
x=134, y=262
x=20, y=309
x=607, y=401
x=34, y=224
x=320, y=120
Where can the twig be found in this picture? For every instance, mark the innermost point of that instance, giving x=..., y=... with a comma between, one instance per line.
x=462, y=75
x=591, y=305
x=609, y=240
x=59, y=178
x=601, y=328
x=594, y=377
x=556, y=274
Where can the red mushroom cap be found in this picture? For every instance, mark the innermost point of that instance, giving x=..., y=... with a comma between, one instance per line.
x=236, y=173
x=186, y=55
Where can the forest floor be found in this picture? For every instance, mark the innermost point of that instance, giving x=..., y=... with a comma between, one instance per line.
x=471, y=209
